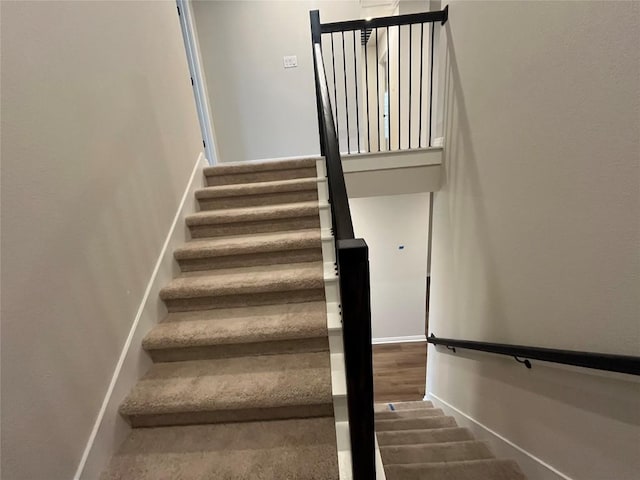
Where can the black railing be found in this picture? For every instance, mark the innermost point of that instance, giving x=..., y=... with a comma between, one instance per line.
x=382, y=98
x=523, y=354
x=353, y=268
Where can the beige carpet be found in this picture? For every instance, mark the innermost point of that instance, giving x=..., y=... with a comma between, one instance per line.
x=418, y=442
x=240, y=387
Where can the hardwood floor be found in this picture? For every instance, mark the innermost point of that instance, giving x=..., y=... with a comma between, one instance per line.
x=399, y=371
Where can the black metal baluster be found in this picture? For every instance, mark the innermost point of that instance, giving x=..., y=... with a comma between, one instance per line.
x=399, y=89
x=433, y=29
x=377, y=90
x=420, y=110
x=346, y=96
x=355, y=74
x=335, y=90
x=366, y=81
x=388, y=89
x=410, y=62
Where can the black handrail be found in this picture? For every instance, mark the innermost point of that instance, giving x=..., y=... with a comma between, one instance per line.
x=353, y=267
x=598, y=361
x=353, y=97
x=362, y=24
x=341, y=213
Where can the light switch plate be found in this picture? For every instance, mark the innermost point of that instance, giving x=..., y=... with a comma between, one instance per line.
x=290, y=61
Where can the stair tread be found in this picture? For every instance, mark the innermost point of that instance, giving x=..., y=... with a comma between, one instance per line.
x=412, y=405
x=292, y=449
x=253, y=214
x=258, y=279
x=435, y=452
x=257, y=382
x=458, y=470
x=424, y=436
x=259, y=166
x=245, y=244
x=239, y=325
x=420, y=413
x=258, y=188
x=421, y=423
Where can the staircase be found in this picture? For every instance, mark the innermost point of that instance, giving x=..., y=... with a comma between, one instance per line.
x=418, y=442
x=240, y=387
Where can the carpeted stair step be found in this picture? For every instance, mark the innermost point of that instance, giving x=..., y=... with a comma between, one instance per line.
x=433, y=453
x=252, y=172
x=232, y=390
x=433, y=435
x=394, y=407
x=222, y=333
x=422, y=412
x=250, y=250
x=227, y=288
x=465, y=470
x=257, y=194
x=302, y=449
x=252, y=220
x=415, y=423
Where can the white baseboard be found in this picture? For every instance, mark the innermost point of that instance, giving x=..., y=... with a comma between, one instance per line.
x=109, y=429
x=405, y=339
x=533, y=467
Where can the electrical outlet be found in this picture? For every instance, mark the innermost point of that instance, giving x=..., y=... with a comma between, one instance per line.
x=290, y=61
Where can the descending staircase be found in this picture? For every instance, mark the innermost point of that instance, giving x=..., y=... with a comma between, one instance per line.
x=240, y=387
x=418, y=442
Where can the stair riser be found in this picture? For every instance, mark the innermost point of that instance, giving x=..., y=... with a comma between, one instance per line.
x=257, y=200
x=415, y=424
x=264, y=176
x=244, y=300
x=414, y=437
x=243, y=228
x=425, y=412
x=252, y=259
x=435, y=453
x=223, y=416
x=300, y=345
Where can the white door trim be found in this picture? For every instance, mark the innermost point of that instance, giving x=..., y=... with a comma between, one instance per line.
x=192, y=47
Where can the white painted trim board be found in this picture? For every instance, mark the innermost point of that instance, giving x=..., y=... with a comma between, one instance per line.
x=405, y=339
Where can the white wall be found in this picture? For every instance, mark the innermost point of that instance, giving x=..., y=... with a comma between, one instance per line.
x=99, y=139
x=536, y=230
x=398, y=276
x=260, y=109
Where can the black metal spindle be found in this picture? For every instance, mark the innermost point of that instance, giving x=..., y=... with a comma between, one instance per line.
x=335, y=89
x=399, y=90
x=366, y=82
x=388, y=90
x=431, y=85
x=420, y=109
x=355, y=75
x=377, y=90
x=346, y=96
x=410, y=78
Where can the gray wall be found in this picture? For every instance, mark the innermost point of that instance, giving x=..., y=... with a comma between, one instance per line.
x=536, y=229
x=395, y=229
x=261, y=110
x=99, y=137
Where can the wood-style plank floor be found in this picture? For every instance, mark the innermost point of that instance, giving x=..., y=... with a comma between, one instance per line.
x=399, y=371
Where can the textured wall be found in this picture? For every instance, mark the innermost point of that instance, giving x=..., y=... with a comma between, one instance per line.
x=536, y=230
x=99, y=137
